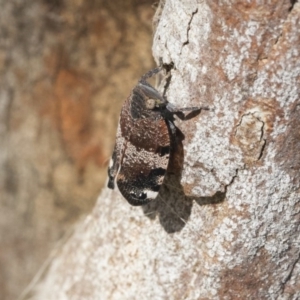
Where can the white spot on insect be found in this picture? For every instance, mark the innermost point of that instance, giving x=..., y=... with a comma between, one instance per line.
x=111, y=162
x=150, y=194
x=160, y=180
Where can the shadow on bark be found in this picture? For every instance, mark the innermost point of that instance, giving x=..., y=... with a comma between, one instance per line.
x=172, y=206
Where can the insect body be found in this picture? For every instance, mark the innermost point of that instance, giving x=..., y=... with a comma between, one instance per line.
x=141, y=155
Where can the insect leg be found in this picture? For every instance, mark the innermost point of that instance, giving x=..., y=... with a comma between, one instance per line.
x=116, y=159
x=180, y=111
x=150, y=74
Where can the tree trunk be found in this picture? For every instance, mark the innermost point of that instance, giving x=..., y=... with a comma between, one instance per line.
x=228, y=226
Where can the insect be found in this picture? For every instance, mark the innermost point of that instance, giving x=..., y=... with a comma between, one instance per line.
x=143, y=143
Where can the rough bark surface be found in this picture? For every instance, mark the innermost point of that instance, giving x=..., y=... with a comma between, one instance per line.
x=64, y=69
x=228, y=227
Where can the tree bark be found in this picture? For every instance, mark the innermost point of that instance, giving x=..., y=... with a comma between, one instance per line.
x=226, y=225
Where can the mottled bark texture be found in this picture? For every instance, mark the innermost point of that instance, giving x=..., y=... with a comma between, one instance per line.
x=227, y=227
x=65, y=67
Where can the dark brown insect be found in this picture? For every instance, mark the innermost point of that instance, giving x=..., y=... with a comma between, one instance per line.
x=143, y=143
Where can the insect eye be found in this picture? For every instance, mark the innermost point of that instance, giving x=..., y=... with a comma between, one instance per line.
x=150, y=103
x=142, y=196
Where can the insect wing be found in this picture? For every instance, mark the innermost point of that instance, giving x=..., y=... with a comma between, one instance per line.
x=141, y=175
x=145, y=153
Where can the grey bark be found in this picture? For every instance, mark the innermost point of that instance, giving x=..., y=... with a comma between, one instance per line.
x=228, y=226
